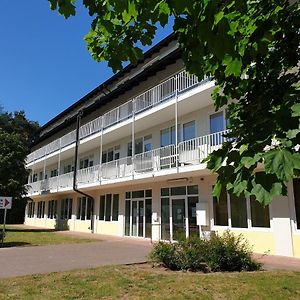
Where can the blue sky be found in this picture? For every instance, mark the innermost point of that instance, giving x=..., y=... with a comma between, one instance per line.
x=44, y=62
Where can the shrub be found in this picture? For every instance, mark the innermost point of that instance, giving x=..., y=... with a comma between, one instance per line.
x=229, y=252
x=225, y=252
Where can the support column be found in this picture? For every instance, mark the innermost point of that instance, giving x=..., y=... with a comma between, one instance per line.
x=101, y=150
x=176, y=122
x=133, y=137
x=58, y=165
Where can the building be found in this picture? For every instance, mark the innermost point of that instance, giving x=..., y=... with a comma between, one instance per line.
x=141, y=138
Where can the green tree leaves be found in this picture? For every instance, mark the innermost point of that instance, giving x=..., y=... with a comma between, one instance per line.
x=251, y=48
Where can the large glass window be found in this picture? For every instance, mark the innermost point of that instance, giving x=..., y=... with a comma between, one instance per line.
x=239, y=212
x=66, y=209
x=296, y=185
x=168, y=137
x=165, y=218
x=220, y=209
x=217, y=122
x=41, y=209
x=52, y=209
x=109, y=207
x=238, y=208
x=30, y=209
x=189, y=130
x=84, y=208
x=259, y=214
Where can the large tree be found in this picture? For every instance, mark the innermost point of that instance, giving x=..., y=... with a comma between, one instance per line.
x=16, y=134
x=250, y=47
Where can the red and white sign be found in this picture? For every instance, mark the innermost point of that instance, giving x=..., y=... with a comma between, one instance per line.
x=5, y=202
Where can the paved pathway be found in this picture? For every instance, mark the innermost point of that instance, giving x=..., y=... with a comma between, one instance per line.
x=56, y=258
x=106, y=250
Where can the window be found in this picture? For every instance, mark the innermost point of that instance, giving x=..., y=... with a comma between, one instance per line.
x=66, y=209
x=296, y=185
x=217, y=122
x=54, y=173
x=68, y=168
x=41, y=209
x=52, y=209
x=220, y=209
x=238, y=208
x=34, y=177
x=189, y=131
x=84, y=208
x=167, y=136
x=111, y=154
x=141, y=145
x=30, y=209
x=242, y=212
x=148, y=143
x=259, y=214
x=86, y=162
x=109, y=207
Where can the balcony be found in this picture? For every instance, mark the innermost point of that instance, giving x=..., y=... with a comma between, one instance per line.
x=153, y=97
x=155, y=162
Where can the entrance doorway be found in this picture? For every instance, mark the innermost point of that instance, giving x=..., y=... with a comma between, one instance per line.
x=138, y=213
x=178, y=212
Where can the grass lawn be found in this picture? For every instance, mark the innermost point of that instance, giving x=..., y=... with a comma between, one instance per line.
x=16, y=236
x=144, y=282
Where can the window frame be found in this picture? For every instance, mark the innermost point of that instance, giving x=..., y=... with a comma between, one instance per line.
x=113, y=198
x=249, y=218
x=291, y=199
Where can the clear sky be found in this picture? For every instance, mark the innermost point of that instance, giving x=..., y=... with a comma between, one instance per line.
x=44, y=63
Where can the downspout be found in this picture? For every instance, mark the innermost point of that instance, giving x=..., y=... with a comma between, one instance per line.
x=79, y=115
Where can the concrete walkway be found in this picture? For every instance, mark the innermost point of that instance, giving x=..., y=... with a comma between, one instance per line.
x=106, y=250
x=56, y=258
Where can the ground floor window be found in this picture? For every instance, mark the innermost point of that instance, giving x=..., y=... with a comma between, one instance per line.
x=239, y=212
x=109, y=207
x=41, y=209
x=52, y=209
x=84, y=208
x=30, y=209
x=138, y=213
x=296, y=185
x=66, y=209
x=178, y=212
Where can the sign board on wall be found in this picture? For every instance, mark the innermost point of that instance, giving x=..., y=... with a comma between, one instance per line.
x=5, y=202
x=201, y=213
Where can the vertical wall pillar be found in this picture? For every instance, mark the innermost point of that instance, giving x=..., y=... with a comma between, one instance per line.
x=281, y=223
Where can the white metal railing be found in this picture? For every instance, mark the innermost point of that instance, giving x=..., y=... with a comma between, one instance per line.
x=88, y=175
x=65, y=180
x=68, y=139
x=154, y=160
x=90, y=128
x=195, y=150
x=150, y=98
x=117, y=168
x=188, y=152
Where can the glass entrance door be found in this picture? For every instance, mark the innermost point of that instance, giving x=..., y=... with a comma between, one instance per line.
x=178, y=219
x=138, y=217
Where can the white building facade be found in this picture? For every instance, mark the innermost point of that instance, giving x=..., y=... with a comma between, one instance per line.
x=141, y=140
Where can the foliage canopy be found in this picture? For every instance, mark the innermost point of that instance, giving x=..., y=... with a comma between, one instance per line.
x=251, y=48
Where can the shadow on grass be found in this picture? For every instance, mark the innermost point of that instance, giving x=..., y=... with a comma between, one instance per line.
x=14, y=244
x=30, y=230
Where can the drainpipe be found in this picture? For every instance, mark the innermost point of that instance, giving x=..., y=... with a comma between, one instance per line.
x=79, y=115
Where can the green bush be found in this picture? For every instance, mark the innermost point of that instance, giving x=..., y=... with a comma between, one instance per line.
x=226, y=252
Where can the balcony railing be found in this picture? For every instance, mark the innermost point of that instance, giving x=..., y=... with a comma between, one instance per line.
x=150, y=98
x=190, y=152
